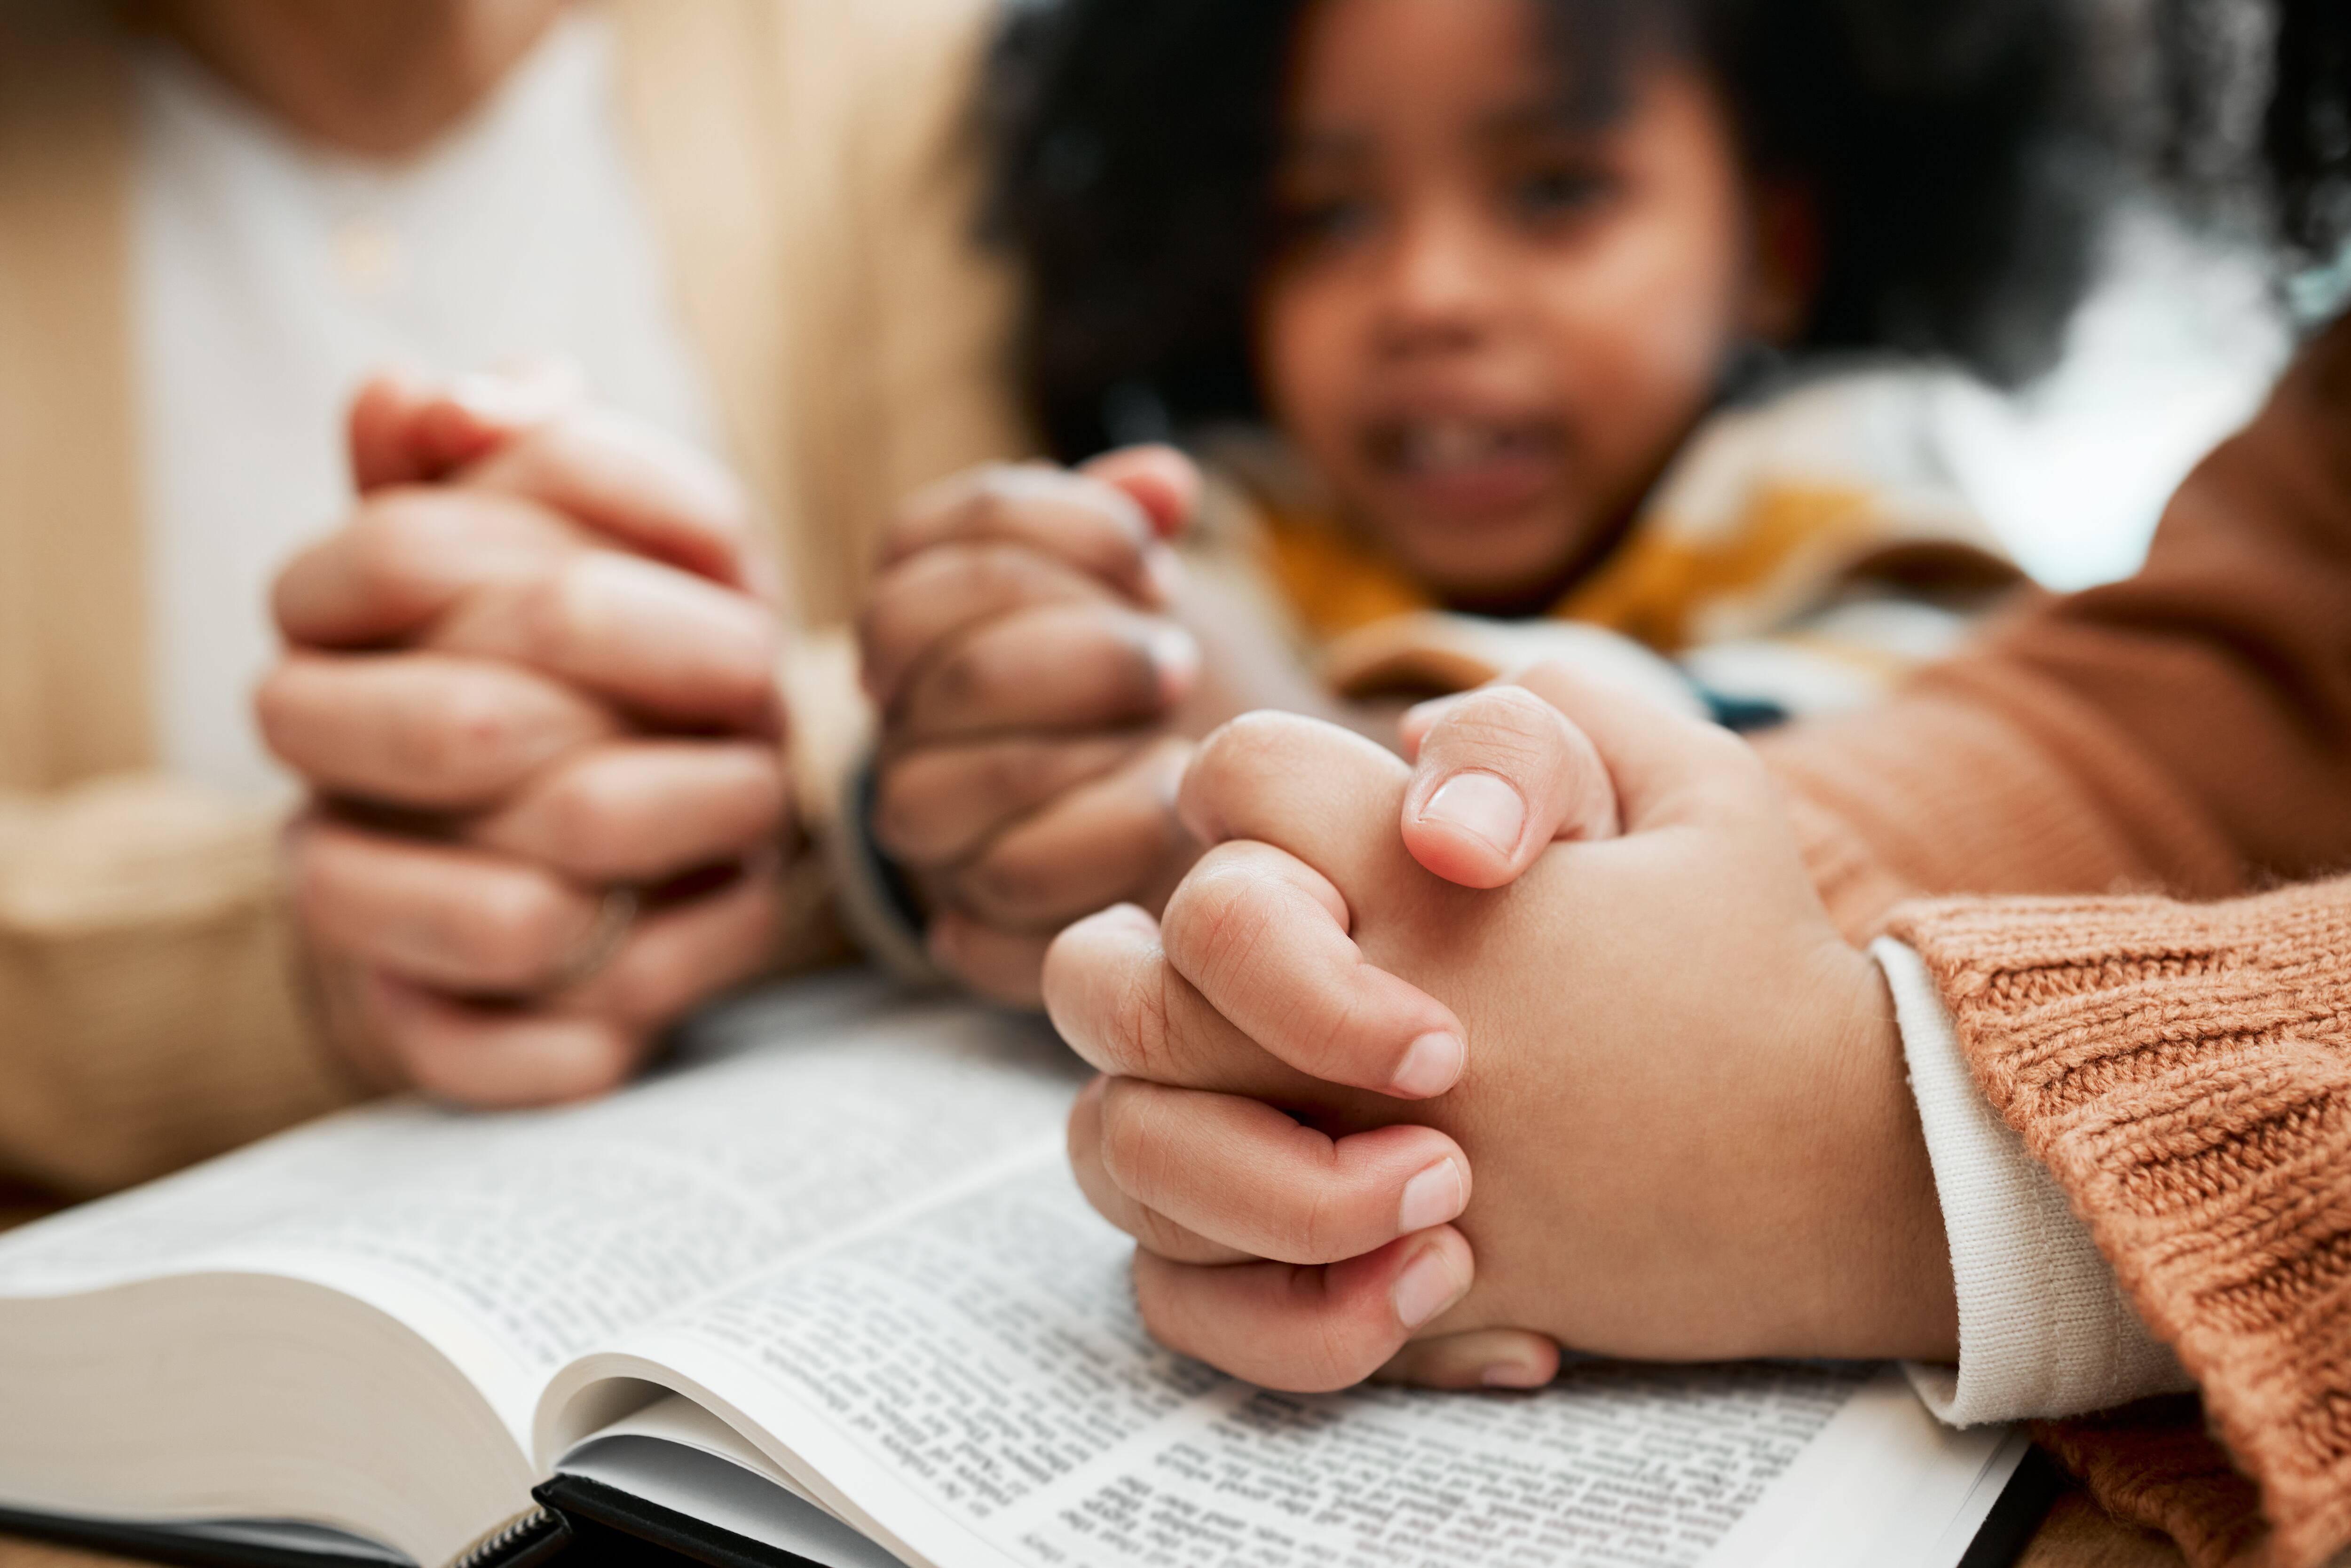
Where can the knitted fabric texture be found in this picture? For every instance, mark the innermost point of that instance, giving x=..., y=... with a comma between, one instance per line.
x=2185, y=1073
x=2155, y=1465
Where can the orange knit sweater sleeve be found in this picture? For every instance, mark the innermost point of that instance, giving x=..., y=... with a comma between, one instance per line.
x=2185, y=1071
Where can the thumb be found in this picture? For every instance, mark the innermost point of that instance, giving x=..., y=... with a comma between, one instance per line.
x=382, y=431
x=405, y=430
x=1501, y=774
x=1475, y=1358
x=1667, y=766
x=1161, y=480
x=480, y=415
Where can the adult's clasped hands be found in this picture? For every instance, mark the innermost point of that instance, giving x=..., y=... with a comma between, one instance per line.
x=532, y=685
x=1543, y=1041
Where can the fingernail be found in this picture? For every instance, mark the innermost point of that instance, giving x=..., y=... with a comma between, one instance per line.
x=763, y=577
x=1513, y=1374
x=1432, y=710
x=1482, y=805
x=506, y=399
x=1432, y=1198
x=1427, y=1287
x=1176, y=656
x=1164, y=570
x=1167, y=776
x=1432, y=1065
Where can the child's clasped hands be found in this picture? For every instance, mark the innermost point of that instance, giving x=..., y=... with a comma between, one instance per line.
x=1018, y=648
x=1626, y=1092
x=1481, y=323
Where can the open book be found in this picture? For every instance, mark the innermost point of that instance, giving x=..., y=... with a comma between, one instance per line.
x=830, y=1291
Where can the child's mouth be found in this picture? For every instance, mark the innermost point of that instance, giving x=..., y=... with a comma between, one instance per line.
x=1471, y=465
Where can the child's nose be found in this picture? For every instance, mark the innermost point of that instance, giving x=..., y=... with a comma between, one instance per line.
x=1442, y=281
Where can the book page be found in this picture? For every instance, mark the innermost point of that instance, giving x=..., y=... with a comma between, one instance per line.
x=515, y=1242
x=974, y=1386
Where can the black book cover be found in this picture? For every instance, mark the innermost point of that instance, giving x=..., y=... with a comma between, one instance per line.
x=588, y=1524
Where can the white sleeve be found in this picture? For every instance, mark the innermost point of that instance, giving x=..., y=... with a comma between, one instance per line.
x=2045, y=1331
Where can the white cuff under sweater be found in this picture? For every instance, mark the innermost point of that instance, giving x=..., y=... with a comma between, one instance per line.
x=2044, y=1329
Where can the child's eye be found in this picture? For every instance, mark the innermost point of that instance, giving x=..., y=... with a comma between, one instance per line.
x=1548, y=196
x=1336, y=222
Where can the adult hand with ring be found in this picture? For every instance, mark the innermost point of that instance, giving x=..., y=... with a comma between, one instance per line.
x=531, y=683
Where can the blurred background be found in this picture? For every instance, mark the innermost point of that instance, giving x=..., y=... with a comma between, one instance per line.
x=2190, y=317
x=2173, y=347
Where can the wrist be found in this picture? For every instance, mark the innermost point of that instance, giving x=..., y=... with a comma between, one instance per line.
x=345, y=1034
x=1884, y=1282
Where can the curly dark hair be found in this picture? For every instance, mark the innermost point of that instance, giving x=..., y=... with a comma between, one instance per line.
x=1132, y=142
x=2307, y=132
x=2273, y=124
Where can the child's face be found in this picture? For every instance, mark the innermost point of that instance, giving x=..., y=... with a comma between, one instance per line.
x=1487, y=329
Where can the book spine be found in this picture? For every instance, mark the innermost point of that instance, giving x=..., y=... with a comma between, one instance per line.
x=529, y=1538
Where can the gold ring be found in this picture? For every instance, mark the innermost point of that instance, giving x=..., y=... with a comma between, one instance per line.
x=614, y=917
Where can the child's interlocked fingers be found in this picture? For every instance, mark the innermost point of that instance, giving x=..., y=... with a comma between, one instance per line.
x=1153, y=1157
x=983, y=547
x=1317, y=1328
x=1313, y=1199
x=1190, y=1098
x=927, y=603
x=1258, y=923
x=1683, y=1099
x=1018, y=646
x=939, y=804
x=1297, y=1011
x=1154, y=1232
x=1123, y=1009
x=1052, y=668
x=1109, y=519
x=1099, y=842
x=1225, y=1140
x=1498, y=774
